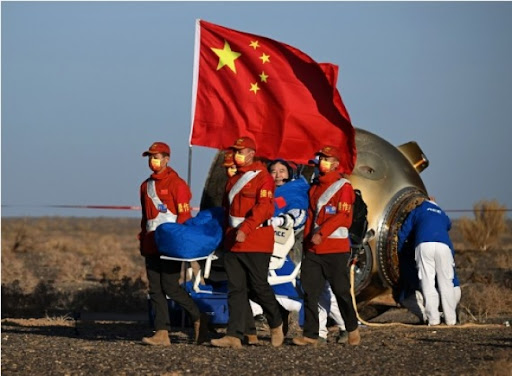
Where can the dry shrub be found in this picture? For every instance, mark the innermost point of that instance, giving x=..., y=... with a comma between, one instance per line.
x=485, y=229
x=71, y=264
x=459, y=246
x=481, y=301
x=110, y=262
x=501, y=367
x=18, y=239
x=19, y=236
x=504, y=260
x=14, y=269
x=22, y=242
x=93, y=258
x=67, y=250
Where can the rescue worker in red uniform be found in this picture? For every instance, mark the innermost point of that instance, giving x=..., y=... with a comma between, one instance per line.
x=165, y=197
x=327, y=247
x=249, y=242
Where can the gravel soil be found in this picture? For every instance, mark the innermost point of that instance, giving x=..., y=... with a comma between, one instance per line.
x=67, y=347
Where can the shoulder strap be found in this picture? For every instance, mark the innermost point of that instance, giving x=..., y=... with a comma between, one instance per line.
x=246, y=178
x=168, y=216
x=329, y=193
x=152, y=193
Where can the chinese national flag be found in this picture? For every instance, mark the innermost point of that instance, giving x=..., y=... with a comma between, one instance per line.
x=249, y=85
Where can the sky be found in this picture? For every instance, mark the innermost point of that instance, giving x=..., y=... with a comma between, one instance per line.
x=86, y=87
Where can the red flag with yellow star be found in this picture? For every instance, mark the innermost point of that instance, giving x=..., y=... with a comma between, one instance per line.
x=249, y=85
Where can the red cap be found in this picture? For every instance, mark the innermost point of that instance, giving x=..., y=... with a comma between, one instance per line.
x=244, y=142
x=157, y=147
x=330, y=151
x=229, y=158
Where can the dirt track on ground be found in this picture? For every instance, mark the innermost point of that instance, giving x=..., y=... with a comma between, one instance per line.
x=113, y=348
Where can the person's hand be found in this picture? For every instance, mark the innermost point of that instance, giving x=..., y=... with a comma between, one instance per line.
x=316, y=239
x=240, y=236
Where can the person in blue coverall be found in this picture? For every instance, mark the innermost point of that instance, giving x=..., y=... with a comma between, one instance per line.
x=409, y=289
x=428, y=228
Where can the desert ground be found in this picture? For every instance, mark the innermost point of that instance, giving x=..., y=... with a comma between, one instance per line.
x=74, y=303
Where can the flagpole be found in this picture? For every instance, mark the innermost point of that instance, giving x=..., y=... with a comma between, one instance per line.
x=197, y=39
x=189, y=172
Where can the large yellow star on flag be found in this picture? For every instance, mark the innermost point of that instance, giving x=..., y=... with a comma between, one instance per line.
x=226, y=56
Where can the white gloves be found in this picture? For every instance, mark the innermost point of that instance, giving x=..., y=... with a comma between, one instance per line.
x=282, y=220
x=277, y=221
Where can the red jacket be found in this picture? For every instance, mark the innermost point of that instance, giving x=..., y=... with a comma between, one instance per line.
x=255, y=203
x=174, y=193
x=336, y=213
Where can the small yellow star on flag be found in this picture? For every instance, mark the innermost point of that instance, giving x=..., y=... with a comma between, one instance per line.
x=254, y=44
x=226, y=56
x=265, y=58
x=254, y=88
x=263, y=77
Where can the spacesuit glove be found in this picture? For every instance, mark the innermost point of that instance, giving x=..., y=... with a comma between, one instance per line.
x=277, y=221
x=287, y=221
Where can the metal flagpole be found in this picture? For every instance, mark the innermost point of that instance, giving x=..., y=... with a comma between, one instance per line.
x=194, y=94
x=185, y=265
x=189, y=172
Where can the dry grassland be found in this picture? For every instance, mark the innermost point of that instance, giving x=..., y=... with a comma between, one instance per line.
x=60, y=266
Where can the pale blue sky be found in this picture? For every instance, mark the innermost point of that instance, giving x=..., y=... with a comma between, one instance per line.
x=87, y=86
